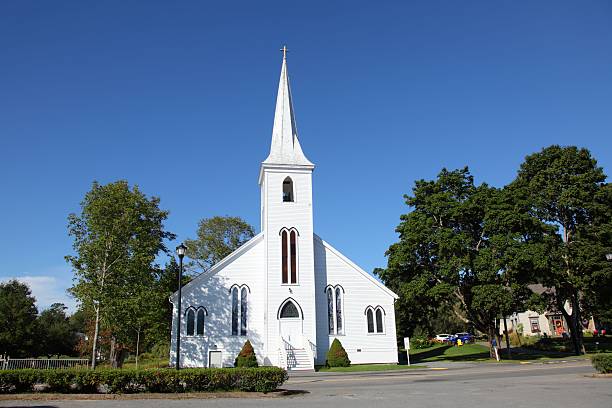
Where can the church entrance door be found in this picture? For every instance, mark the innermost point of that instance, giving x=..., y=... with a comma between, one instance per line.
x=290, y=324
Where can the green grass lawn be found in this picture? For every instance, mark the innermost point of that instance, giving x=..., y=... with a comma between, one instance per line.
x=445, y=352
x=368, y=367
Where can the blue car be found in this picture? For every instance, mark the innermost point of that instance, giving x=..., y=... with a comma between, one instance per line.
x=464, y=337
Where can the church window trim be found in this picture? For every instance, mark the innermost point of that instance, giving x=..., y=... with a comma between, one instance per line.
x=196, y=321
x=281, y=308
x=239, y=296
x=290, y=255
x=335, y=310
x=288, y=195
x=375, y=320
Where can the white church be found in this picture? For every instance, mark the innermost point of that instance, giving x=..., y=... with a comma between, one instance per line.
x=286, y=290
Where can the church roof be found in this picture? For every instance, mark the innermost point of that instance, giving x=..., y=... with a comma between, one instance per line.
x=285, y=147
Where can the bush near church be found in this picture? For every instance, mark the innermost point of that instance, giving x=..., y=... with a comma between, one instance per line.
x=126, y=381
x=246, y=357
x=602, y=363
x=336, y=356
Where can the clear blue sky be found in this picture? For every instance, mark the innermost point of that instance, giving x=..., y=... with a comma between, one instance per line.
x=178, y=97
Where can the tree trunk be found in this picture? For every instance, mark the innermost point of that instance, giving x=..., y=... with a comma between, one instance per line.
x=579, y=344
x=507, y=338
x=94, y=351
x=137, y=344
x=117, y=354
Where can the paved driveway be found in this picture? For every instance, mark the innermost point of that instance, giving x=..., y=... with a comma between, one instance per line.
x=483, y=385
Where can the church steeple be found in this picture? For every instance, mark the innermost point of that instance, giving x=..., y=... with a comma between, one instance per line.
x=285, y=147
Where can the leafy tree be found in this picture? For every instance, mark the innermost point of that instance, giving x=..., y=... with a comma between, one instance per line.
x=217, y=237
x=246, y=357
x=567, y=192
x=57, y=336
x=461, y=244
x=17, y=319
x=117, y=236
x=337, y=356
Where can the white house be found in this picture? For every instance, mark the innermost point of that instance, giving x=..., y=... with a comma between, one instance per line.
x=286, y=290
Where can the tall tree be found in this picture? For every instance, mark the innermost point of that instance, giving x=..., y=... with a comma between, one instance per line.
x=217, y=237
x=57, y=336
x=17, y=320
x=456, y=246
x=118, y=233
x=567, y=191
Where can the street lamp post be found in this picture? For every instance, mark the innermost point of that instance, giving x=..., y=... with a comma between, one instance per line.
x=180, y=251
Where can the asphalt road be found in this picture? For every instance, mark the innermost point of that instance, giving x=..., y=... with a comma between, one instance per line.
x=488, y=385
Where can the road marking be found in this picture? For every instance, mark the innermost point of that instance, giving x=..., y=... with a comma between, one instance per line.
x=439, y=368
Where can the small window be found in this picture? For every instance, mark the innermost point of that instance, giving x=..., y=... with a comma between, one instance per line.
x=289, y=311
x=330, y=310
x=535, y=324
x=288, y=190
x=339, y=323
x=379, y=321
x=200, y=323
x=370, y=317
x=190, y=322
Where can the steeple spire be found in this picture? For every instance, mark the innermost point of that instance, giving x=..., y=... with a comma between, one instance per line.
x=285, y=147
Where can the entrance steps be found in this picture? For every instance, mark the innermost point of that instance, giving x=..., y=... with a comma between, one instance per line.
x=299, y=360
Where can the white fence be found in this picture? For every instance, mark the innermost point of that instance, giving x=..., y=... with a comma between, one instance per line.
x=44, y=363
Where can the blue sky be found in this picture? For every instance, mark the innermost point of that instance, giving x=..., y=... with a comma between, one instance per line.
x=178, y=97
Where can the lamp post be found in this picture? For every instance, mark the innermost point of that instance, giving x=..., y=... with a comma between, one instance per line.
x=180, y=251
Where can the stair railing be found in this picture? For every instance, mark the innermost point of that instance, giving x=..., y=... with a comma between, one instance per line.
x=310, y=348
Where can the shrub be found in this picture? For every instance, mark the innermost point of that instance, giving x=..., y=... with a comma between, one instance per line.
x=602, y=363
x=336, y=356
x=264, y=379
x=422, y=342
x=246, y=357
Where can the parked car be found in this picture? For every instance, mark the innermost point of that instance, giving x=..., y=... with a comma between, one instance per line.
x=464, y=337
x=445, y=338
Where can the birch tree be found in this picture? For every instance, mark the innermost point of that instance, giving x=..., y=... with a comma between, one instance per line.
x=118, y=231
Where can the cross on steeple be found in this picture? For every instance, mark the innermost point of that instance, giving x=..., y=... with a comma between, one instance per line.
x=285, y=50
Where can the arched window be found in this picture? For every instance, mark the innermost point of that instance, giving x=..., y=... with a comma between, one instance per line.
x=289, y=256
x=190, y=322
x=293, y=252
x=235, y=311
x=200, y=322
x=289, y=310
x=288, y=190
x=370, y=318
x=379, y=320
x=339, y=322
x=243, y=311
x=330, y=310
x=285, y=257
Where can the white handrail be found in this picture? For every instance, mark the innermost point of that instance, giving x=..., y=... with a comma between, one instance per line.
x=310, y=348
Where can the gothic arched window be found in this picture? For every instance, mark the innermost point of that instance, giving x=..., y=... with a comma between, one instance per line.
x=288, y=190
x=370, y=318
x=379, y=320
x=235, y=311
x=200, y=322
x=289, y=310
x=243, y=311
x=190, y=322
x=330, y=310
x=289, y=256
x=339, y=322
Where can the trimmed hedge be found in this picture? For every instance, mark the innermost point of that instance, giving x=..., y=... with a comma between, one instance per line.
x=126, y=381
x=602, y=363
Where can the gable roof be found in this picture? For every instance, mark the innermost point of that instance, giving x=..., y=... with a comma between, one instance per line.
x=223, y=263
x=355, y=267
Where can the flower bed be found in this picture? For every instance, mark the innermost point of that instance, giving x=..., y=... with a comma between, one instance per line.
x=111, y=381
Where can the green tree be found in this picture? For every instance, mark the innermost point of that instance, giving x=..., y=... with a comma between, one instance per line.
x=117, y=236
x=57, y=335
x=217, y=237
x=337, y=356
x=461, y=244
x=567, y=192
x=17, y=320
